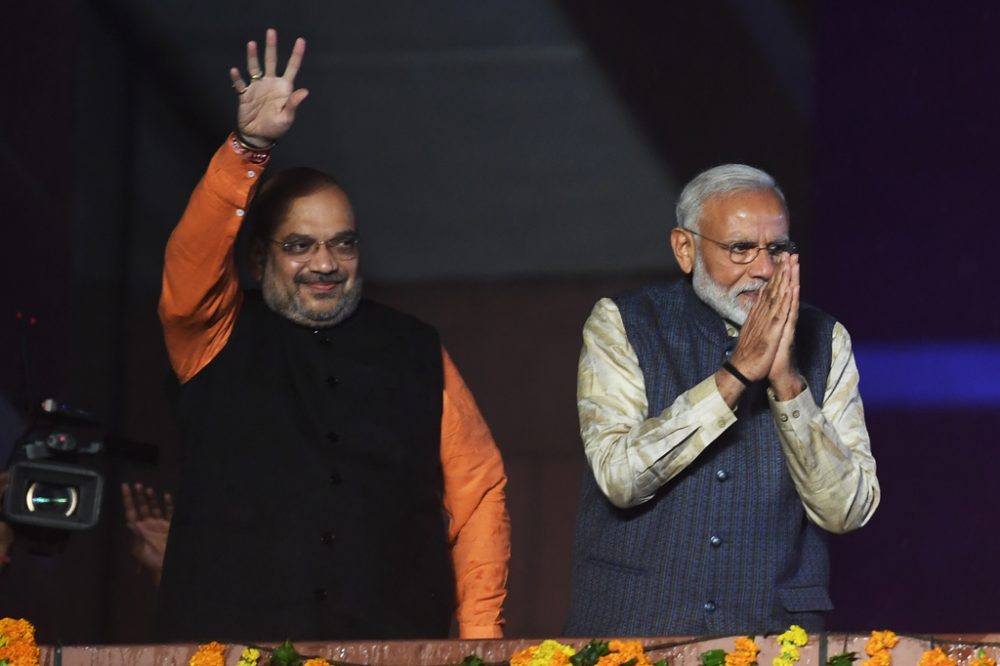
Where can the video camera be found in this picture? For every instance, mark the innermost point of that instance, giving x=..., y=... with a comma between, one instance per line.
x=56, y=479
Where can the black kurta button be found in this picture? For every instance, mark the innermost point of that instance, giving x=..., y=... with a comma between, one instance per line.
x=715, y=541
x=333, y=437
x=327, y=538
x=320, y=593
x=721, y=475
x=709, y=606
x=335, y=477
x=332, y=381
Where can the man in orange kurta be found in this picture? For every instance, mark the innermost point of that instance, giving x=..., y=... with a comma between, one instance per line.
x=305, y=253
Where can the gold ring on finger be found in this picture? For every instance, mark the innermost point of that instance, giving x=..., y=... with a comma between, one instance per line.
x=257, y=76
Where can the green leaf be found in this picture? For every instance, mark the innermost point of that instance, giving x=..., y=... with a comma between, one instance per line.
x=661, y=662
x=472, y=660
x=631, y=662
x=842, y=659
x=285, y=655
x=589, y=655
x=713, y=657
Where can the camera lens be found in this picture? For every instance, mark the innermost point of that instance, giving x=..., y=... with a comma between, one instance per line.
x=51, y=499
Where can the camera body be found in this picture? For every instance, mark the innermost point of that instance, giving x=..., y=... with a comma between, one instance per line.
x=55, y=479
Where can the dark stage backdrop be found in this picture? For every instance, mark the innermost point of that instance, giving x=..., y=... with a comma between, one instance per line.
x=512, y=162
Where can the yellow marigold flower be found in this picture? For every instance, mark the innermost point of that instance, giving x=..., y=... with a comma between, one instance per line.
x=210, y=654
x=547, y=653
x=795, y=635
x=790, y=652
x=936, y=657
x=315, y=661
x=250, y=656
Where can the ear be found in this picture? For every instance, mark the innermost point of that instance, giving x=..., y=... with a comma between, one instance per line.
x=682, y=243
x=257, y=260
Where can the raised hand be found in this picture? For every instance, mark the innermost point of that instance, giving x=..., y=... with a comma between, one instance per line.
x=761, y=334
x=268, y=102
x=149, y=523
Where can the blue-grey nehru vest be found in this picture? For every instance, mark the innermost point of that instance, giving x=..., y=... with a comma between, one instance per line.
x=725, y=547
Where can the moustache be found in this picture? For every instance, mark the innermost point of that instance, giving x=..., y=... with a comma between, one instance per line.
x=749, y=288
x=321, y=278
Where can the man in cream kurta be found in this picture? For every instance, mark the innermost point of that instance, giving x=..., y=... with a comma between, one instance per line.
x=724, y=433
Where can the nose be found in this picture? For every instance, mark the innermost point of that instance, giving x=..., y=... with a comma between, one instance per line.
x=323, y=261
x=762, y=266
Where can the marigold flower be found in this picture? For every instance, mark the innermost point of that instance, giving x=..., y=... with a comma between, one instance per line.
x=624, y=651
x=547, y=653
x=795, y=635
x=210, y=654
x=17, y=643
x=879, y=641
x=315, y=661
x=936, y=657
x=250, y=656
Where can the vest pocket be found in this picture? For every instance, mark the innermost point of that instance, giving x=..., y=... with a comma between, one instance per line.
x=805, y=599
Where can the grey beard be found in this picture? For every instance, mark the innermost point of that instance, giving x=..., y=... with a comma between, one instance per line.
x=717, y=297
x=291, y=306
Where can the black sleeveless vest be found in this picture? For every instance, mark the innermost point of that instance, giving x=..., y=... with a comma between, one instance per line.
x=724, y=547
x=309, y=504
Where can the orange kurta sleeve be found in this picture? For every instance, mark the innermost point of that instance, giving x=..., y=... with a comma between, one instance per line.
x=479, y=530
x=201, y=295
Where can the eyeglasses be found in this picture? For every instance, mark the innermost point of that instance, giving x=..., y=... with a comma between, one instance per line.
x=343, y=247
x=745, y=252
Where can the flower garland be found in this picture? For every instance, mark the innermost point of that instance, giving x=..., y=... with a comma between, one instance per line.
x=981, y=659
x=17, y=643
x=790, y=642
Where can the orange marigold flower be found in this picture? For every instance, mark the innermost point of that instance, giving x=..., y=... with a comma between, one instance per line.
x=936, y=657
x=882, y=658
x=623, y=651
x=315, y=661
x=17, y=642
x=745, y=653
x=210, y=654
x=879, y=641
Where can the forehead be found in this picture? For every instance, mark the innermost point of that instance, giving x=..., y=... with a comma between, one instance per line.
x=750, y=213
x=321, y=214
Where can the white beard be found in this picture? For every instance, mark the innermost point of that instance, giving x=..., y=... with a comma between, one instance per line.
x=723, y=301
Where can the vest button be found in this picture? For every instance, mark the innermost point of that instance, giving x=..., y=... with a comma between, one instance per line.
x=335, y=477
x=333, y=437
x=320, y=593
x=326, y=538
x=715, y=541
x=332, y=381
x=709, y=607
x=721, y=474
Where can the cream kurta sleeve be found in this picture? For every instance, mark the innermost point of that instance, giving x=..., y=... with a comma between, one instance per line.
x=827, y=449
x=632, y=456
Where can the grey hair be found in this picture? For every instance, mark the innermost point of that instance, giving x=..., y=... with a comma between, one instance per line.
x=720, y=180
